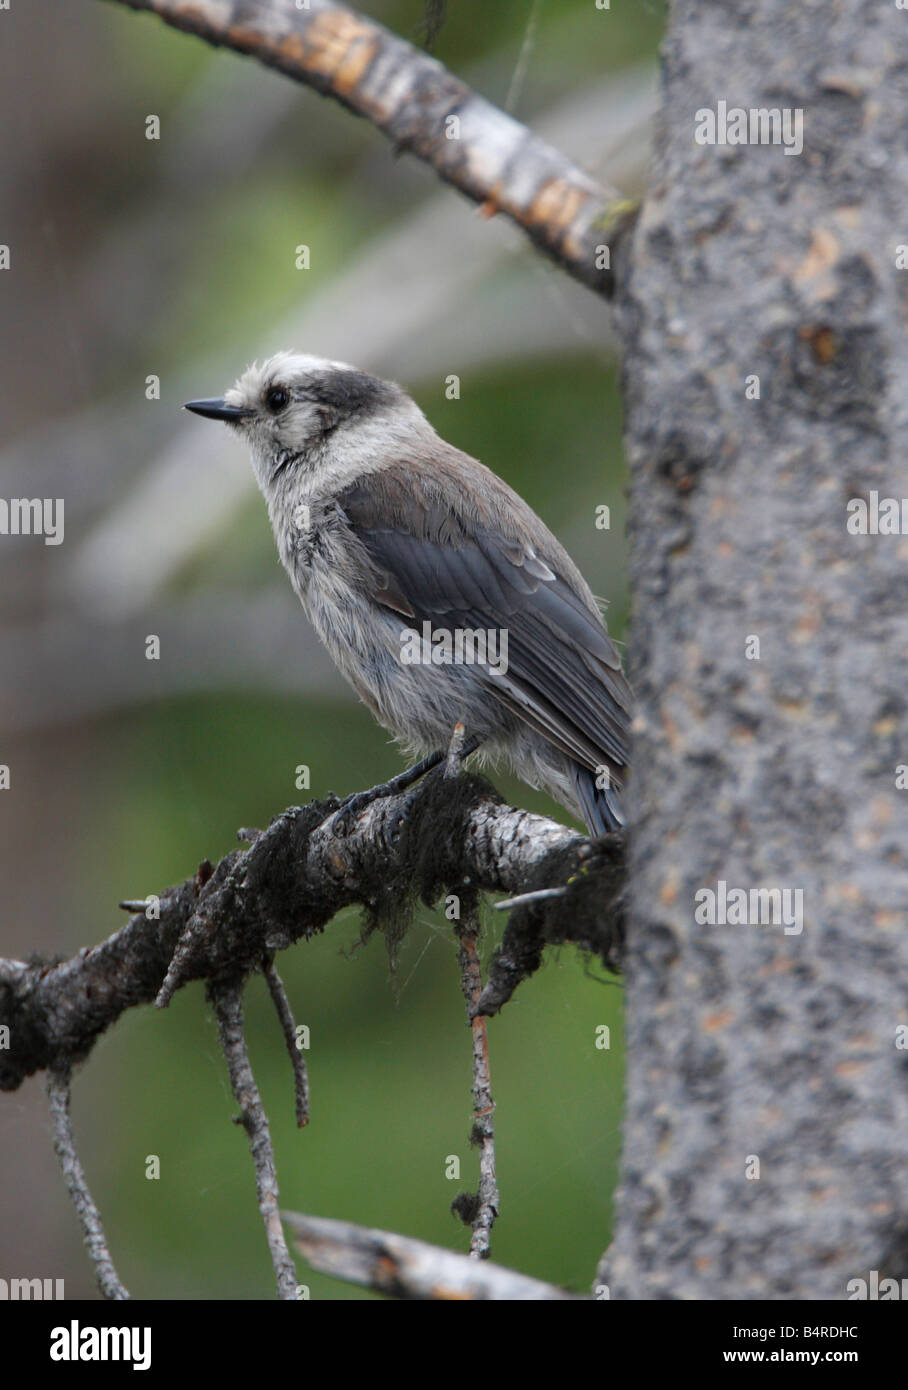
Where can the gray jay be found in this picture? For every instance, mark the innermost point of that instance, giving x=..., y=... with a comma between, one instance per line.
x=438, y=592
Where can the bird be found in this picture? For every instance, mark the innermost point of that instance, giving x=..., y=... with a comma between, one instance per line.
x=407, y=554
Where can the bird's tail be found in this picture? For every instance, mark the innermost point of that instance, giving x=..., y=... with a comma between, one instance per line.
x=600, y=805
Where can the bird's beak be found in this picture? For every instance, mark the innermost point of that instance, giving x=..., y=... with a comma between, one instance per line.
x=216, y=409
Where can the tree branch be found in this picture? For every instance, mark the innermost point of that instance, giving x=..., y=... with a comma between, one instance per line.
x=479, y=1210
x=58, y=1095
x=404, y=1268
x=226, y=997
x=297, y=874
x=425, y=111
x=291, y=1041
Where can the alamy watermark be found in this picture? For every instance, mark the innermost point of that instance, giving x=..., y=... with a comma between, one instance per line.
x=877, y=516
x=750, y=907
x=876, y=1288
x=759, y=125
x=32, y=516
x=86, y=1343
x=31, y=1290
x=460, y=646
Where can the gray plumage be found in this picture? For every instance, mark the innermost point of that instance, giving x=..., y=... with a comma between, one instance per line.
x=382, y=526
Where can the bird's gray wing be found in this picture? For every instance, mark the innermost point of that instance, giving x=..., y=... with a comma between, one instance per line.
x=563, y=674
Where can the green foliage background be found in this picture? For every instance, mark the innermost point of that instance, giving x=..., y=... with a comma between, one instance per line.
x=150, y=791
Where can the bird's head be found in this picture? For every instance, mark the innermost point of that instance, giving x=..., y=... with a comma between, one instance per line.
x=293, y=409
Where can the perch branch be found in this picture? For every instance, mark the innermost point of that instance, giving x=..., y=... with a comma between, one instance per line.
x=292, y=880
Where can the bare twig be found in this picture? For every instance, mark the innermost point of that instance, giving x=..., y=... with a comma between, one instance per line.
x=227, y=1000
x=294, y=1051
x=521, y=900
x=405, y=1268
x=425, y=110
x=482, y=1210
x=58, y=1090
x=483, y=1132
x=432, y=22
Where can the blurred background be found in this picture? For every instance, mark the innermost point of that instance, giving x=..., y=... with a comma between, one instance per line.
x=175, y=259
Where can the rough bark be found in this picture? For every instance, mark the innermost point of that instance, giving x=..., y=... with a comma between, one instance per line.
x=229, y=920
x=777, y=772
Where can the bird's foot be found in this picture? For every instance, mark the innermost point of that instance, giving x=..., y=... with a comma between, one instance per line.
x=353, y=806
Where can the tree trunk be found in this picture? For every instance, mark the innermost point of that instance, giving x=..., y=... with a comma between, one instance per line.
x=767, y=1100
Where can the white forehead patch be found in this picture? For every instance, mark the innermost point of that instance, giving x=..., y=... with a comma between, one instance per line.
x=284, y=368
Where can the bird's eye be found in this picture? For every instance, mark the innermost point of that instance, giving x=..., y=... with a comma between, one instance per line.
x=276, y=398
